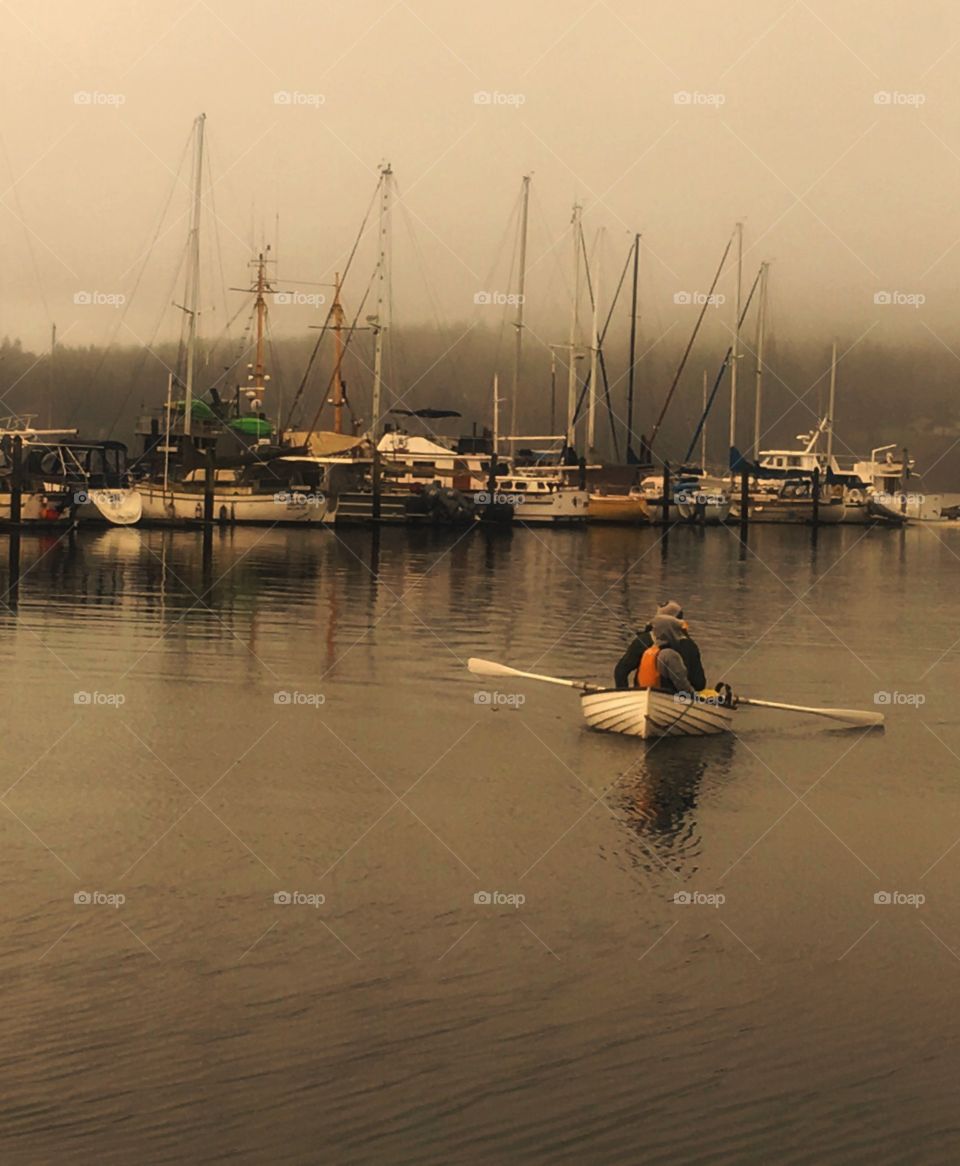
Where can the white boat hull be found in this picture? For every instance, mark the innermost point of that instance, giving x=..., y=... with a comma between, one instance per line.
x=235, y=506
x=648, y=714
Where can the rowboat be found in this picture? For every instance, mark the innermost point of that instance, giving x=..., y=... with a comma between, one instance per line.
x=648, y=713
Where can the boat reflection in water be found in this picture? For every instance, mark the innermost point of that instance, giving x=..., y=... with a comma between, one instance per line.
x=657, y=797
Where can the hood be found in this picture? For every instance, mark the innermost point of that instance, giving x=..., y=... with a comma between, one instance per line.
x=667, y=631
x=671, y=607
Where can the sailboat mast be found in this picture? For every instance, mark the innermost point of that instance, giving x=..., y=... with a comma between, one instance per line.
x=703, y=427
x=261, y=308
x=736, y=340
x=338, y=360
x=574, y=323
x=631, y=456
x=594, y=359
x=833, y=401
x=518, y=322
x=380, y=325
x=761, y=336
x=193, y=297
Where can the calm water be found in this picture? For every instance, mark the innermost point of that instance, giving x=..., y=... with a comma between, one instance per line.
x=398, y=1021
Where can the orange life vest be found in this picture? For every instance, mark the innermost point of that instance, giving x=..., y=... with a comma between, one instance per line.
x=648, y=674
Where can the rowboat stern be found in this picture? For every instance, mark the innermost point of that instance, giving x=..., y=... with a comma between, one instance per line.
x=647, y=714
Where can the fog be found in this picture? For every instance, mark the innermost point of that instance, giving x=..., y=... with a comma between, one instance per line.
x=830, y=131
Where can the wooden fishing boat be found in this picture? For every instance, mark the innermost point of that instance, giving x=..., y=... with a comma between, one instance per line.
x=647, y=713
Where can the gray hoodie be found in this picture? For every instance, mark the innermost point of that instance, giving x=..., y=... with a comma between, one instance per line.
x=667, y=633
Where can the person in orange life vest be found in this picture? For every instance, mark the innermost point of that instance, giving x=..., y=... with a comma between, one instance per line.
x=624, y=675
x=661, y=665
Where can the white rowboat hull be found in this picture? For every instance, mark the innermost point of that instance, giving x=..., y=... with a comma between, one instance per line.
x=645, y=713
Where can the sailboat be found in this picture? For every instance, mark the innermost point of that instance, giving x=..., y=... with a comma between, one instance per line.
x=187, y=476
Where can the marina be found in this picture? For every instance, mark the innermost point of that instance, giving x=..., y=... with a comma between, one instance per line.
x=479, y=518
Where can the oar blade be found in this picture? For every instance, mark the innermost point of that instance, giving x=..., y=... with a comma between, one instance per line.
x=488, y=667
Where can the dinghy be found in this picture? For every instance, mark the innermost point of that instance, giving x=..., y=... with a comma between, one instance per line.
x=650, y=713
x=646, y=713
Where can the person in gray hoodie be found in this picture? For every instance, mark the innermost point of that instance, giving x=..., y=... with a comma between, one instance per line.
x=668, y=633
x=627, y=665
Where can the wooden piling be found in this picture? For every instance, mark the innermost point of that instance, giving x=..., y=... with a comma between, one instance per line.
x=815, y=498
x=744, y=501
x=665, y=500
x=16, y=481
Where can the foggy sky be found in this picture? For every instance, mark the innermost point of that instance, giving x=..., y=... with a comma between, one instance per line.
x=847, y=196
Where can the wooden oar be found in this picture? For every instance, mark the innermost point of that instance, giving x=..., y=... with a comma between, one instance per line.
x=848, y=716
x=491, y=668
